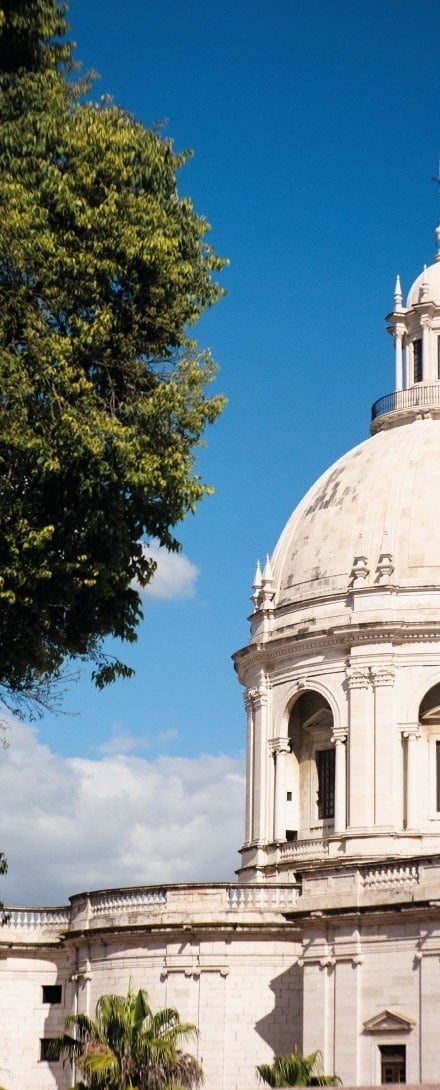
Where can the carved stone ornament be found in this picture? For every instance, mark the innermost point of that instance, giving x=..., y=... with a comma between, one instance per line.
x=385, y=568
x=389, y=1021
x=358, y=677
x=279, y=745
x=259, y=696
x=248, y=699
x=339, y=736
x=359, y=571
x=383, y=675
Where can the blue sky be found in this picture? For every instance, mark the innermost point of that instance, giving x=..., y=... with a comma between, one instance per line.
x=315, y=128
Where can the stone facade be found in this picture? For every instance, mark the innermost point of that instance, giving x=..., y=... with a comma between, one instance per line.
x=225, y=956
x=331, y=937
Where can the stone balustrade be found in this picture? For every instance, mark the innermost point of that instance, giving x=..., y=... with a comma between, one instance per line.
x=150, y=906
x=394, y=874
x=304, y=849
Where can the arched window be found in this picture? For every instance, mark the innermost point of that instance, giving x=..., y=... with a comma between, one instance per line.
x=429, y=718
x=313, y=756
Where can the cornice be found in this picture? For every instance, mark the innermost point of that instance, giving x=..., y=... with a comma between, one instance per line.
x=344, y=636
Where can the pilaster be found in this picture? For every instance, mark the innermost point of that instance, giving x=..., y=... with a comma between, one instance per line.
x=259, y=696
x=280, y=749
x=411, y=735
x=360, y=785
x=339, y=738
x=383, y=677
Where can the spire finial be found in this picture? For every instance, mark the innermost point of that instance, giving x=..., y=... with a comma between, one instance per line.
x=397, y=294
x=437, y=230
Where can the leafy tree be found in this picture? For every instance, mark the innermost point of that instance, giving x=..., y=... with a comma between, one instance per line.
x=297, y=1070
x=104, y=268
x=128, y=1047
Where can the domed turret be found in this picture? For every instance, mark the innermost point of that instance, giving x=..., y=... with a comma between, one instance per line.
x=416, y=332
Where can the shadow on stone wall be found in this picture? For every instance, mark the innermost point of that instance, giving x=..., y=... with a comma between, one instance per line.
x=281, y=1029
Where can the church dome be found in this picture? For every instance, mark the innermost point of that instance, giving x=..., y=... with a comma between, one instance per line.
x=373, y=513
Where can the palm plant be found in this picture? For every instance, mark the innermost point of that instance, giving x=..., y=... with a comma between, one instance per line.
x=297, y=1070
x=129, y=1047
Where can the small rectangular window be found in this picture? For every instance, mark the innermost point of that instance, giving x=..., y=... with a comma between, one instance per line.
x=45, y=1043
x=392, y=1063
x=418, y=361
x=325, y=763
x=52, y=993
x=289, y=796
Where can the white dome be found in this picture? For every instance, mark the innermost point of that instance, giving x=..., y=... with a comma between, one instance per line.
x=380, y=498
x=429, y=277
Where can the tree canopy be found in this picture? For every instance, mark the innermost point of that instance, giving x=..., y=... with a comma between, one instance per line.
x=297, y=1070
x=127, y=1046
x=104, y=269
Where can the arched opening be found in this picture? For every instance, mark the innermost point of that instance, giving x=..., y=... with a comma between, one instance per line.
x=311, y=775
x=429, y=720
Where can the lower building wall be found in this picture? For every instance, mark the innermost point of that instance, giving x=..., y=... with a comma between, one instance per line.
x=26, y=1019
x=369, y=986
x=243, y=991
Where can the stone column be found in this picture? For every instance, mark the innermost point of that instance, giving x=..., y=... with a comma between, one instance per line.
x=280, y=748
x=339, y=738
x=360, y=763
x=398, y=357
x=259, y=762
x=249, y=766
x=426, y=344
x=412, y=734
x=384, y=744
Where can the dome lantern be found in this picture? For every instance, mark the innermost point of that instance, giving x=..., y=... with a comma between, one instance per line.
x=415, y=329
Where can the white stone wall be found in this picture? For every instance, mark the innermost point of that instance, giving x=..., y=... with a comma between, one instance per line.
x=25, y=1019
x=355, y=972
x=225, y=957
x=242, y=991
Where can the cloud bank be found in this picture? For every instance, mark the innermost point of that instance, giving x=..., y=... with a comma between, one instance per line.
x=175, y=576
x=71, y=824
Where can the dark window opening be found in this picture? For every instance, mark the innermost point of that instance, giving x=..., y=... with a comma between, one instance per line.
x=392, y=1063
x=45, y=1043
x=438, y=357
x=418, y=361
x=325, y=763
x=291, y=834
x=289, y=796
x=52, y=993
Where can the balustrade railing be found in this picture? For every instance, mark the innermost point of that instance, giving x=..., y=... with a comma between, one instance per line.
x=111, y=902
x=399, y=874
x=262, y=897
x=419, y=396
x=32, y=919
x=310, y=848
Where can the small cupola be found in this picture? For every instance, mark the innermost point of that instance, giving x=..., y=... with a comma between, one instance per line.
x=415, y=329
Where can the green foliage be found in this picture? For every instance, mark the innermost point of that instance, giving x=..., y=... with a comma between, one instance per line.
x=297, y=1070
x=128, y=1047
x=104, y=268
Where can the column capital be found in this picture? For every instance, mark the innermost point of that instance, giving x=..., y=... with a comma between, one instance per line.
x=358, y=677
x=383, y=675
x=339, y=736
x=255, y=697
x=411, y=730
x=279, y=745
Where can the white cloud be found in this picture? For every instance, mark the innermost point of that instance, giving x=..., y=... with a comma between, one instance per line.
x=70, y=824
x=175, y=575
